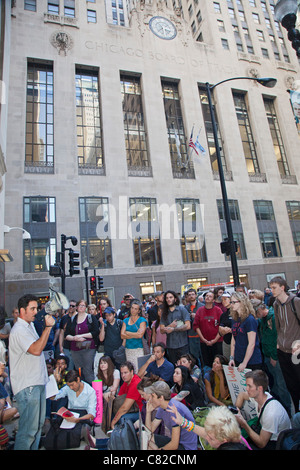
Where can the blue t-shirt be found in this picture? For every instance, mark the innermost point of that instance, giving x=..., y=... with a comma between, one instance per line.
x=240, y=332
x=165, y=371
x=187, y=439
x=134, y=343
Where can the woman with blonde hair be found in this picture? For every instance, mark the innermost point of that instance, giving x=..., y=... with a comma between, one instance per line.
x=244, y=349
x=221, y=429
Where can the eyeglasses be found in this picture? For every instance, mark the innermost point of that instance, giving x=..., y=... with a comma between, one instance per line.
x=72, y=306
x=234, y=301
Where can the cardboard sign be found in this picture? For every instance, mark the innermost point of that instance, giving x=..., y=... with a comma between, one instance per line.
x=237, y=383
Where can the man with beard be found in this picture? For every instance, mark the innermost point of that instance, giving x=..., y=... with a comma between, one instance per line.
x=175, y=322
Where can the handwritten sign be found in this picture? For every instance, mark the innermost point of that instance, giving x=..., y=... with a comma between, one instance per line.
x=237, y=383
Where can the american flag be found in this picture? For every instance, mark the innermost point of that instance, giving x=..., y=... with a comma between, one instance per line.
x=191, y=143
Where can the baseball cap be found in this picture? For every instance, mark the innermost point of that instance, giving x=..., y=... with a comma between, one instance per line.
x=109, y=310
x=160, y=388
x=226, y=294
x=157, y=293
x=256, y=303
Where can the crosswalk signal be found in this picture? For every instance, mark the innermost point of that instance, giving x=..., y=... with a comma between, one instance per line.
x=92, y=293
x=73, y=262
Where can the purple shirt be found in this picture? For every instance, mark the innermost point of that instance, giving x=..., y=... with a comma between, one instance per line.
x=187, y=439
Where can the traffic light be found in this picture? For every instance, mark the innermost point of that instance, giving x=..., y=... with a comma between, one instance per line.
x=73, y=262
x=55, y=270
x=225, y=247
x=100, y=282
x=93, y=283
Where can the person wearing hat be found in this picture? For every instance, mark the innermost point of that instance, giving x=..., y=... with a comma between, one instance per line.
x=110, y=332
x=225, y=324
x=160, y=400
x=124, y=311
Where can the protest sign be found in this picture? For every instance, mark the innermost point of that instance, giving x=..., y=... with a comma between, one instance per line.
x=237, y=383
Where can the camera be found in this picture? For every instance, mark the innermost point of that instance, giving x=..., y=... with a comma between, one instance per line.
x=233, y=409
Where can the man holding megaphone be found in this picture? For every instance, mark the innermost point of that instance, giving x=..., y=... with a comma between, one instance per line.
x=28, y=372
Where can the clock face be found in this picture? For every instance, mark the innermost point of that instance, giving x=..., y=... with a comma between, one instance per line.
x=162, y=27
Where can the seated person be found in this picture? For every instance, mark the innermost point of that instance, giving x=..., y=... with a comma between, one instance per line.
x=60, y=370
x=186, y=389
x=7, y=412
x=81, y=396
x=131, y=402
x=175, y=436
x=158, y=365
x=110, y=377
x=220, y=430
x=147, y=382
x=187, y=360
x=215, y=382
x=272, y=415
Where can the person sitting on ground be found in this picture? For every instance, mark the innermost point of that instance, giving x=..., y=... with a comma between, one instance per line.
x=110, y=377
x=158, y=365
x=220, y=430
x=147, y=382
x=81, y=396
x=273, y=417
x=130, y=401
x=175, y=436
x=60, y=370
x=186, y=389
x=7, y=411
x=216, y=384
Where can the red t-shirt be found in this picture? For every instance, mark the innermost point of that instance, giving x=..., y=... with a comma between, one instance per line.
x=208, y=321
x=131, y=391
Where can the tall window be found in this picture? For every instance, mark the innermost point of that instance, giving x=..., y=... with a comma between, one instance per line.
x=181, y=164
x=246, y=133
x=30, y=5
x=145, y=231
x=276, y=137
x=293, y=209
x=69, y=8
x=236, y=223
x=89, y=139
x=210, y=135
x=134, y=124
x=39, y=117
x=95, y=232
x=53, y=7
x=39, y=220
x=192, y=240
x=267, y=229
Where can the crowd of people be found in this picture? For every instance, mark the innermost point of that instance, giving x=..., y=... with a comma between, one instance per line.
x=161, y=359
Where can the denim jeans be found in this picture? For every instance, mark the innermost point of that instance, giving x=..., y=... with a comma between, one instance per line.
x=31, y=404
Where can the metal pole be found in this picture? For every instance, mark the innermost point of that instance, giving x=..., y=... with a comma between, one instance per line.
x=63, y=240
x=234, y=265
x=87, y=285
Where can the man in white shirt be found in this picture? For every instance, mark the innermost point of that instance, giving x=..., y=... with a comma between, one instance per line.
x=272, y=415
x=28, y=372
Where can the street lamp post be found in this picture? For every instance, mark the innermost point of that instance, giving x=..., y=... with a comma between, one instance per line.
x=268, y=82
x=86, y=269
x=286, y=14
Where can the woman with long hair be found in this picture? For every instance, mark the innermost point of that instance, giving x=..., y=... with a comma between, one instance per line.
x=82, y=330
x=109, y=375
x=215, y=382
x=133, y=330
x=186, y=389
x=157, y=336
x=244, y=348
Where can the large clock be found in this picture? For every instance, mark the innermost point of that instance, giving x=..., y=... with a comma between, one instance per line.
x=162, y=27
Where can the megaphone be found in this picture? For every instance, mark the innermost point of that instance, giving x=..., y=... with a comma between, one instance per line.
x=57, y=302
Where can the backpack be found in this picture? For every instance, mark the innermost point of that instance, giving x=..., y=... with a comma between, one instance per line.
x=294, y=309
x=289, y=439
x=123, y=437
